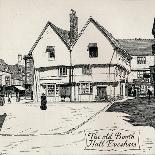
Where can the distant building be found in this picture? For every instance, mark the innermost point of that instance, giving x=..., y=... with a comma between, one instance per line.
x=90, y=66
x=142, y=59
x=5, y=76
x=29, y=76
x=17, y=74
x=10, y=75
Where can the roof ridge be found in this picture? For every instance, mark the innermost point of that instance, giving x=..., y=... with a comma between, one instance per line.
x=52, y=26
x=55, y=28
x=106, y=33
x=100, y=27
x=114, y=42
x=82, y=31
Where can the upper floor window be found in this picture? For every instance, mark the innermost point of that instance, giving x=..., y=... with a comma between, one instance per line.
x=7, y=80
x=141, y=60
x=93, y=50
x=51, y=52
x=140, y=74
x=86, y=70
x=62, y=71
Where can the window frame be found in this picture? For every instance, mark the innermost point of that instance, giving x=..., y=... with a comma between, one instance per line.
x=86, y=70
x=55, y=90
x=85, y=90
x=7, y=81
x=62, y=71
x=140, y=74
x=49, y=50
x=93, y=54
x=141, y=60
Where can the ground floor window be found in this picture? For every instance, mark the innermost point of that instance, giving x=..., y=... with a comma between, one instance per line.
x=7, y=80
x=52, y=90
x=85, y=88
x=143, y=88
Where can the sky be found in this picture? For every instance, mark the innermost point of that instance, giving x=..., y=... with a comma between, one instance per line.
x=23, y=20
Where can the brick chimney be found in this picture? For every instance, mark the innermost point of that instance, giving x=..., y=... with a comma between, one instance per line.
x=19, y=59
x=73, y=27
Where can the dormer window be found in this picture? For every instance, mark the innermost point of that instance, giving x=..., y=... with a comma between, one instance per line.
x=93, y=50
x=51, y=52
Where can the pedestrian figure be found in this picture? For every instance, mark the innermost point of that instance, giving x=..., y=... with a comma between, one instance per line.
x=149, y=93
x=134, y=93
x=9, y=97
x=43, y=102
x=17, y=97
x=2, y=100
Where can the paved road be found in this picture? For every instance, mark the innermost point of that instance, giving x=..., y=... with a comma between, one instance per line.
x=26, y=124
x=28, y=130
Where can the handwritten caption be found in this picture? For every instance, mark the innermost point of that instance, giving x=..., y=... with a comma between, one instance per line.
x=112, y=140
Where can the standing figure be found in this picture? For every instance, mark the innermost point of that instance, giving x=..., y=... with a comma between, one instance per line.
x=9, y=97
x=134, y=93
x=149, y=93
x=17, y=97
x=43, y=102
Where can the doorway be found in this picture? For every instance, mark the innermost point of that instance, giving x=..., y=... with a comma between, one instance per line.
x=102, y=92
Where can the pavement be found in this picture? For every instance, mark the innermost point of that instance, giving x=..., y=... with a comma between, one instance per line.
x=62, y=128
x=58, y=118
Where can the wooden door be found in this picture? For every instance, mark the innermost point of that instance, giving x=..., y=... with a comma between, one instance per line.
x=102, y=92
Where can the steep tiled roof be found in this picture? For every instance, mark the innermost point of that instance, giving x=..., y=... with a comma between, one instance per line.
x=4, y=66
x=63, y=34
x=115, y=43
x=17, y=71
x=108, y=35
x=137, y=47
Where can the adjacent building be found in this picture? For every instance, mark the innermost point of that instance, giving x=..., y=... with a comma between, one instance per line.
x=142, y=59
x=5, y=76
x=11, y=76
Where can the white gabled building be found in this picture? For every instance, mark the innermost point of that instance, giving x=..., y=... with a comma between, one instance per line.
x=91, y=64
x=51, y=63
x=101, y=65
